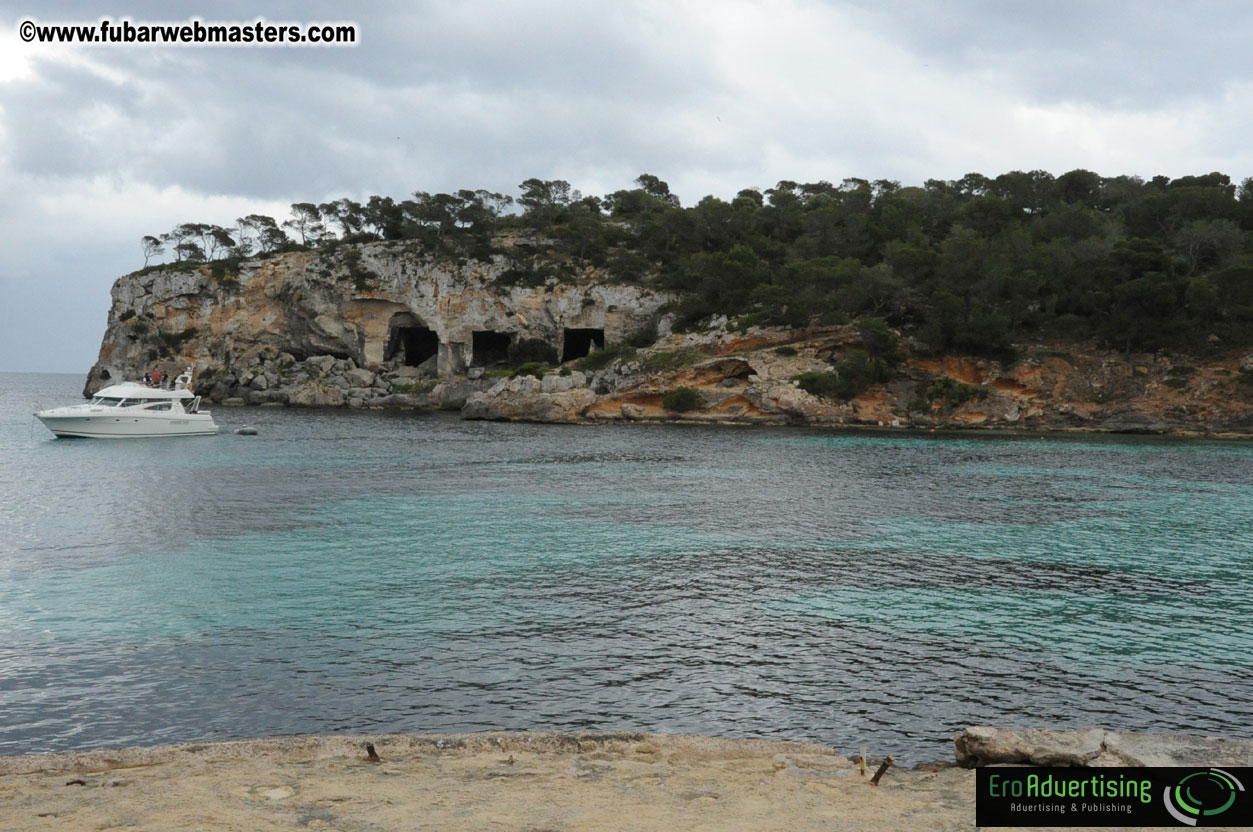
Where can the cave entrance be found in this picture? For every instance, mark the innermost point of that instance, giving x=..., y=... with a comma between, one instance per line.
x=576, y=343
x=409, y=342
x=414, y=345
x=487, y=347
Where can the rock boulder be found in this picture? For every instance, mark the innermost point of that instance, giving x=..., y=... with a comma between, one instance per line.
x=981, y=746
x=312, y=394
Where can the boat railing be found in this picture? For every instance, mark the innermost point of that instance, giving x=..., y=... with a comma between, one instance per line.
x=169, y=382
x=165, y=384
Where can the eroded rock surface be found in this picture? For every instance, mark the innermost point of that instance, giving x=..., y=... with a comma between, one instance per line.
x=372, y=321
x=395, y=328
x=1094, y=747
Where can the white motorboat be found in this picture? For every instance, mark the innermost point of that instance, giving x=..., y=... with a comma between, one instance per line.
x=134, y=409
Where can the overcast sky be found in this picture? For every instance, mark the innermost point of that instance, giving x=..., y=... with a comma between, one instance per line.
x=101, y=145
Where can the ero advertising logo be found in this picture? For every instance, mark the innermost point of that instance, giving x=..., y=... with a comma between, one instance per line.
x=1202, y=795
x=1120, y=796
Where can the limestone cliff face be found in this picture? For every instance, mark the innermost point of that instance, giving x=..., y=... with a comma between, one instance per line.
x=384, y=325
x=385, y=310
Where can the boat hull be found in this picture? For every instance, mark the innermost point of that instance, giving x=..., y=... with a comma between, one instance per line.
x=128, y=427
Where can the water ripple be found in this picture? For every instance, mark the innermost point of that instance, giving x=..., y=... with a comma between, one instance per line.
x=398, y=572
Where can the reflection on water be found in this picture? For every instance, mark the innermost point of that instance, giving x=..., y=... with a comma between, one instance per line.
x=350, y=571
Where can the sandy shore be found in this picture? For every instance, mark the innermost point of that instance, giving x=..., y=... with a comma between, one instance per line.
x=506, y=781
x=481, y=781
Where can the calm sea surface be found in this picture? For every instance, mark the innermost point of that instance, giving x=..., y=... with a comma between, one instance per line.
x=366, y=572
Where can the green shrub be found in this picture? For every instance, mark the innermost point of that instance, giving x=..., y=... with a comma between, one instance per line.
x=626, y=266
x=953, y=393
x=646, y=337
x=670, y=360
x=854, y=373
x=683, y=399
x=743, y=322
x=861, y=370
x=600, y=359
x=826, y=385
x=880, y=342
x=918, y=403
x=226, y=272
x=1062, y=354
x=786, y=352
x=530, y=275
x=532, y=351
x=363, y=280
x=532, y=368
x=415, y=387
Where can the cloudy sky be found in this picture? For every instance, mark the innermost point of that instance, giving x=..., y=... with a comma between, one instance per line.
x=101, y=145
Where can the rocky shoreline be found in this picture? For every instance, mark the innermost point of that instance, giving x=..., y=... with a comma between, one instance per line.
x=532, y=780
x=386, y=326
x=750, y=379
x=1095, y=748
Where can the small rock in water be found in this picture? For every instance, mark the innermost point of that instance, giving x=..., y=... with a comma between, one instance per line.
x=246, y=432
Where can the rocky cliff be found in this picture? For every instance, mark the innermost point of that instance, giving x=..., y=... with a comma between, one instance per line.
x=378, y=324
x=751, y=378
x=384, y=325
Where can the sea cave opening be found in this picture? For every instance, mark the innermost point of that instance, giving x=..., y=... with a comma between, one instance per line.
x=408, y=342
x=576, y=343
x=488, y=348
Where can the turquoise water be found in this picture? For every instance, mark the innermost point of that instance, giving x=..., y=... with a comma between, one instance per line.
x=347, y=571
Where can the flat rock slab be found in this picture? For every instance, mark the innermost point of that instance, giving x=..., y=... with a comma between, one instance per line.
x=1176, y=750
x=1094, y=747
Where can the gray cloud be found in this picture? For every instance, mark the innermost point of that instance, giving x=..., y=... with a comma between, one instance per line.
x=416, y=105
x=1126, y=55
x=101, y=145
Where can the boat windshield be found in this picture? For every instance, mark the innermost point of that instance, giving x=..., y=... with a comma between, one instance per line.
x=107, y=401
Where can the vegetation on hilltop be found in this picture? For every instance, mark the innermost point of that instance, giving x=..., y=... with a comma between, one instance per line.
x=969, y=264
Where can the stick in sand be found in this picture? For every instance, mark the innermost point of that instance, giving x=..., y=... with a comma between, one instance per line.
x=874, y=781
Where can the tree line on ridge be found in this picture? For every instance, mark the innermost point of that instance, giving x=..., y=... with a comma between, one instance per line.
x=972, y=264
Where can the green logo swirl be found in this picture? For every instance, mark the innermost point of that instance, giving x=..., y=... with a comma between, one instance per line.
x=1202, y=794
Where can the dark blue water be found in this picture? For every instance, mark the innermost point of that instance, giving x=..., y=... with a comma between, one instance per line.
x=349, y=571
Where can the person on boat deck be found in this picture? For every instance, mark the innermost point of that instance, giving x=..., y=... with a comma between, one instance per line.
x=148, y=379
x=156, y=377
